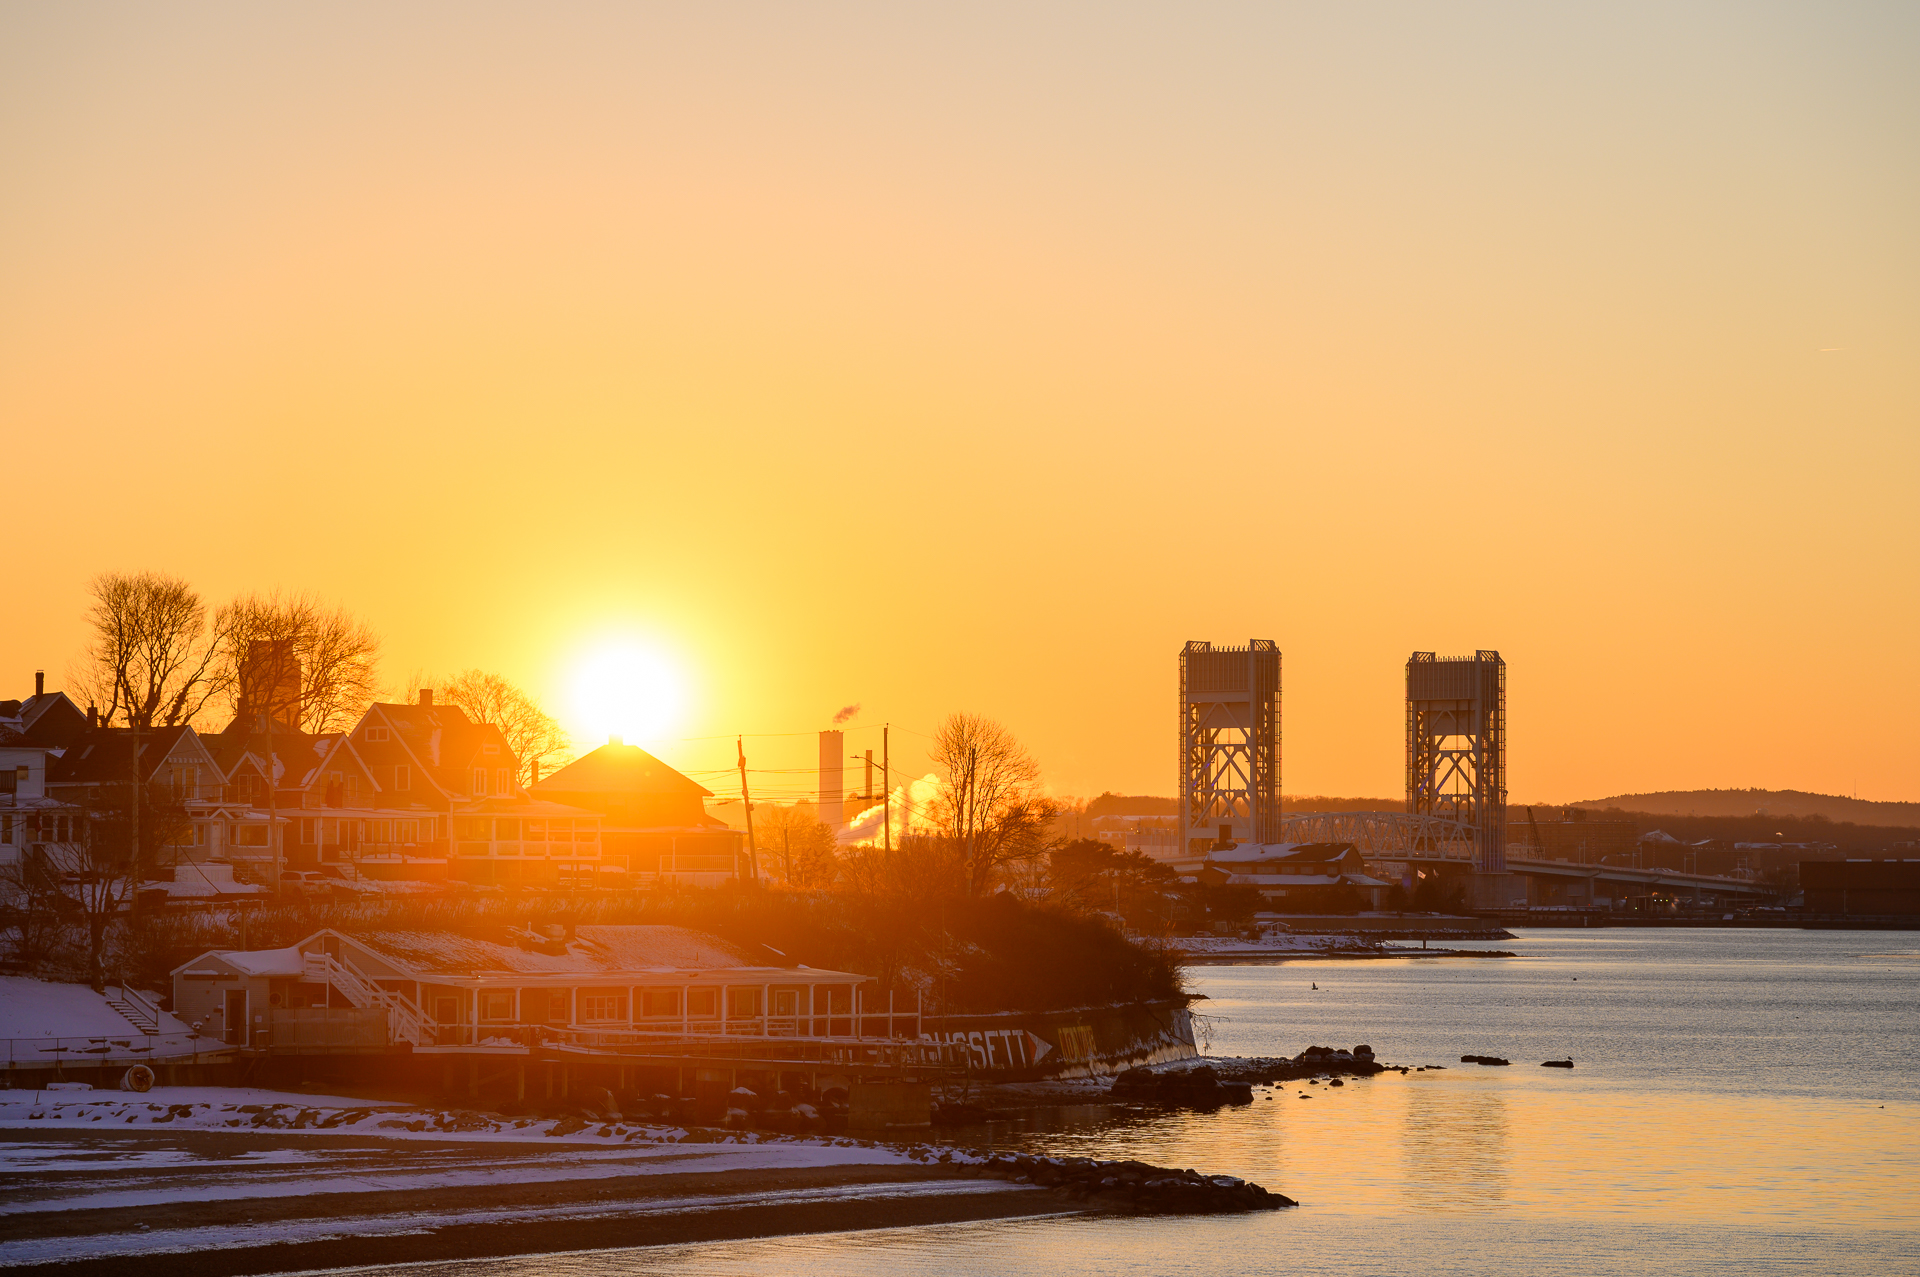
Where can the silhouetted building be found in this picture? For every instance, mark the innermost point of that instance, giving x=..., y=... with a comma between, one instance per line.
x=654, y=821
x=1861, y=888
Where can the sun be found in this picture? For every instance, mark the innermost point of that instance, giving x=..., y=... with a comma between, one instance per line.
x=627, y=690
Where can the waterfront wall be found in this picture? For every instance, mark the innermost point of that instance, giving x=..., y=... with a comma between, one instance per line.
x=1086, y=1042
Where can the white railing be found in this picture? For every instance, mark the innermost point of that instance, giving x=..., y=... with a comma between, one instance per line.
x=140, y=1011
x=404, y=1019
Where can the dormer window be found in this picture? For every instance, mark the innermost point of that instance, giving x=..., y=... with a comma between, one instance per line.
x=378, y=735
x=489, y=750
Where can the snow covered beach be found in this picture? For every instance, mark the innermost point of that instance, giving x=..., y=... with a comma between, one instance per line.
x=218, y=1181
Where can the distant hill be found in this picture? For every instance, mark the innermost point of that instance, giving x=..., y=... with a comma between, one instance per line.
x=1752, y=802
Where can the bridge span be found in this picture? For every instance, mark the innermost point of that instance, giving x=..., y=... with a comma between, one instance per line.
x=1404, y=838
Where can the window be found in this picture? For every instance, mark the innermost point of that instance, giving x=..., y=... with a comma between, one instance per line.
x=446, y=1010
x=6, y=830
x=743, y=1004
x=506, y=828
x=660, y=1002
x=536, y=831
x=489, y=750
x=308, y=834
x=471, y=828
x=378, y=735
x=406, y=831
x=703, y=1003
x=479, y=780
x=402, y=778
x=496, y=1004
x=602, y=1006
x=786, y=1002
x=249, y=835
x=10, y=780
x=502, y=781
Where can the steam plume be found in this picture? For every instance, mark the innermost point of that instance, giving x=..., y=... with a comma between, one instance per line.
x=846, y=713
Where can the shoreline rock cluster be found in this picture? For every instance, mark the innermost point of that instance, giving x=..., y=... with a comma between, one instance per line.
x=1133, y=1186
x=1222, y=1082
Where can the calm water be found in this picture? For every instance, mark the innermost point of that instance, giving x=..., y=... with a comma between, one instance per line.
x=1743, y=1102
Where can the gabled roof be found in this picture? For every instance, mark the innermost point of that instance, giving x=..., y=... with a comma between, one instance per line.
x=105, y=754
x=619, y=769
x=441, y=741
x=52, y=718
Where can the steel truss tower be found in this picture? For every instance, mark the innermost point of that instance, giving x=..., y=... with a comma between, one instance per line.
x=1457, y=747
x=1229, y=744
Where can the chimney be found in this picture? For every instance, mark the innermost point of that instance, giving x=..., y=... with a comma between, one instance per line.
x=616, y=739
x=833, y=762
x=93, y=717
x=426, y=697
x=39, y=682
x=536, y=772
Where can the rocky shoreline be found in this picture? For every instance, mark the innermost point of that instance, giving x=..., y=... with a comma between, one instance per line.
x=1135, y=1187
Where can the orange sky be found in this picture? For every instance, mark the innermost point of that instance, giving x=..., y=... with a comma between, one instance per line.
x=840, y=354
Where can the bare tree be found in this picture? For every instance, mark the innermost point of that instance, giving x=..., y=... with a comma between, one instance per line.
x=100, y=845
x=796, y=844
x=31, y=905
x=990, y=806
x=305, y=664
x=532, y=734
x=153, y=660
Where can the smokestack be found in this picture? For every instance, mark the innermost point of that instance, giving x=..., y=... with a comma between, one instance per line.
x=426, y=697
x=39, y=682
x=833, y=761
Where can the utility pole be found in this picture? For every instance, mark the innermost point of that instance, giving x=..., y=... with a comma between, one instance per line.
x=886, y=786
x=786, y=853
x=746, y=801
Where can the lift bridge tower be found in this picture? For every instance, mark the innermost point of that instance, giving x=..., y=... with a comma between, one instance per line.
x=1229, y=744
x=1457, y=750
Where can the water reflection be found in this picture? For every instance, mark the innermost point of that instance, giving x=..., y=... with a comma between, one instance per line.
x=1453, y=1148
x=1744, y=1103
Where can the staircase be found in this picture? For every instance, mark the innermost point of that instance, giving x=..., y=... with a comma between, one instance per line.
x=134, y=1007
x=405, y=1023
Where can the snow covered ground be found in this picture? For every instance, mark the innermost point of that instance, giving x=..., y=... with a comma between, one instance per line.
x=210, y=1108
x=260, y=1158
x=41, y=1250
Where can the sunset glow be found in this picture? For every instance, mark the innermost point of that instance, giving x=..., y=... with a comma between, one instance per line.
x=626, y=689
